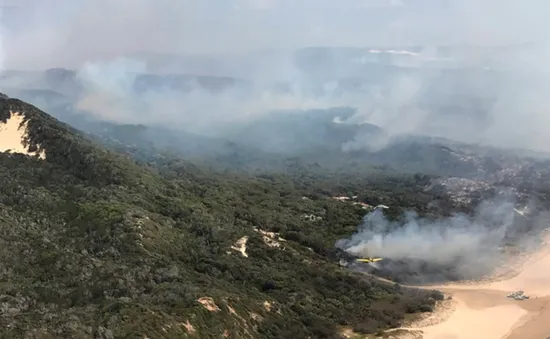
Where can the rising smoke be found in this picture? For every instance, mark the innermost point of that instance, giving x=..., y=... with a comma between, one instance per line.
x=419, y=250
x=489, y=78
x=111, y=92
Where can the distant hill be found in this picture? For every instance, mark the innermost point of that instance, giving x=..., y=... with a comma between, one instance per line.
x=66, y=82
x=315, y=137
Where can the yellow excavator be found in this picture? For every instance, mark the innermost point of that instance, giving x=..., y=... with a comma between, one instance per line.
x=369, y=259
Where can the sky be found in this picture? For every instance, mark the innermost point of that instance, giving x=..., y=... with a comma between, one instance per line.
x=69, y=32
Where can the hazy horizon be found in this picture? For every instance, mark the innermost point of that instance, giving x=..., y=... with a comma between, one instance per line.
x=67, y=33
x=499, y=98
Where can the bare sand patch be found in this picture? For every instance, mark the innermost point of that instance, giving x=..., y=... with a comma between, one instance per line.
x=13, y=134
x=188, y=327
x=240, y=246
x=209, y=304
x=271, y=239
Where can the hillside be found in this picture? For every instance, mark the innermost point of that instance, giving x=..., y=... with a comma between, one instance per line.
x=96, y=246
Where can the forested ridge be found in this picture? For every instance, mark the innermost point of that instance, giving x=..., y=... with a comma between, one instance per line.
x=97, y=244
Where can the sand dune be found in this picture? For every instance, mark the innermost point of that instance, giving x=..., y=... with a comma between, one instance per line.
x=483, y=312
x=12, y=135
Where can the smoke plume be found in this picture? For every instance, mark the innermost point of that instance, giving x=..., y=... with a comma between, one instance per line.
x=419, y=250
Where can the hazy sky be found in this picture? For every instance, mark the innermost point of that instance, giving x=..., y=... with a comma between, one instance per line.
x=64, y=32
x=90, y=35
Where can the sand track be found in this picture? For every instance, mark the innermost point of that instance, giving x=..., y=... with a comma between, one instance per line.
x=482, y=311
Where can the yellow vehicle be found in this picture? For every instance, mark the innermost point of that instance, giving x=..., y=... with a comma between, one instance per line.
x=368, y=260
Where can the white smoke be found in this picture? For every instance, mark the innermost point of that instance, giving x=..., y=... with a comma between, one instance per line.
x=467, y=245
x=109, y=93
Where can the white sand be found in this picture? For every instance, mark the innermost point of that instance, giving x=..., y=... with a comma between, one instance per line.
x=240, y=246
x=13, y=134
x=466, y=322
x=534, y=277
x=483, y=312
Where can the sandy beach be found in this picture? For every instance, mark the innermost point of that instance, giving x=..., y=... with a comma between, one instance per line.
x=481, y=310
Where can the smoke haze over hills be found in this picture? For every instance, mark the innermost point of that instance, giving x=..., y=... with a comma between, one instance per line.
x=472, y=71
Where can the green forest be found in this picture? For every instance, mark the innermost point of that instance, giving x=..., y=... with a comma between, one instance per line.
x=98, y=243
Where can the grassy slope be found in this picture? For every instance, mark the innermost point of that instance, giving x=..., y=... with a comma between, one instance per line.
x=94, y=245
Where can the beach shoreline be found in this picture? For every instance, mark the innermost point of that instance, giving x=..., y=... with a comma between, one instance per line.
x=482, y=309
